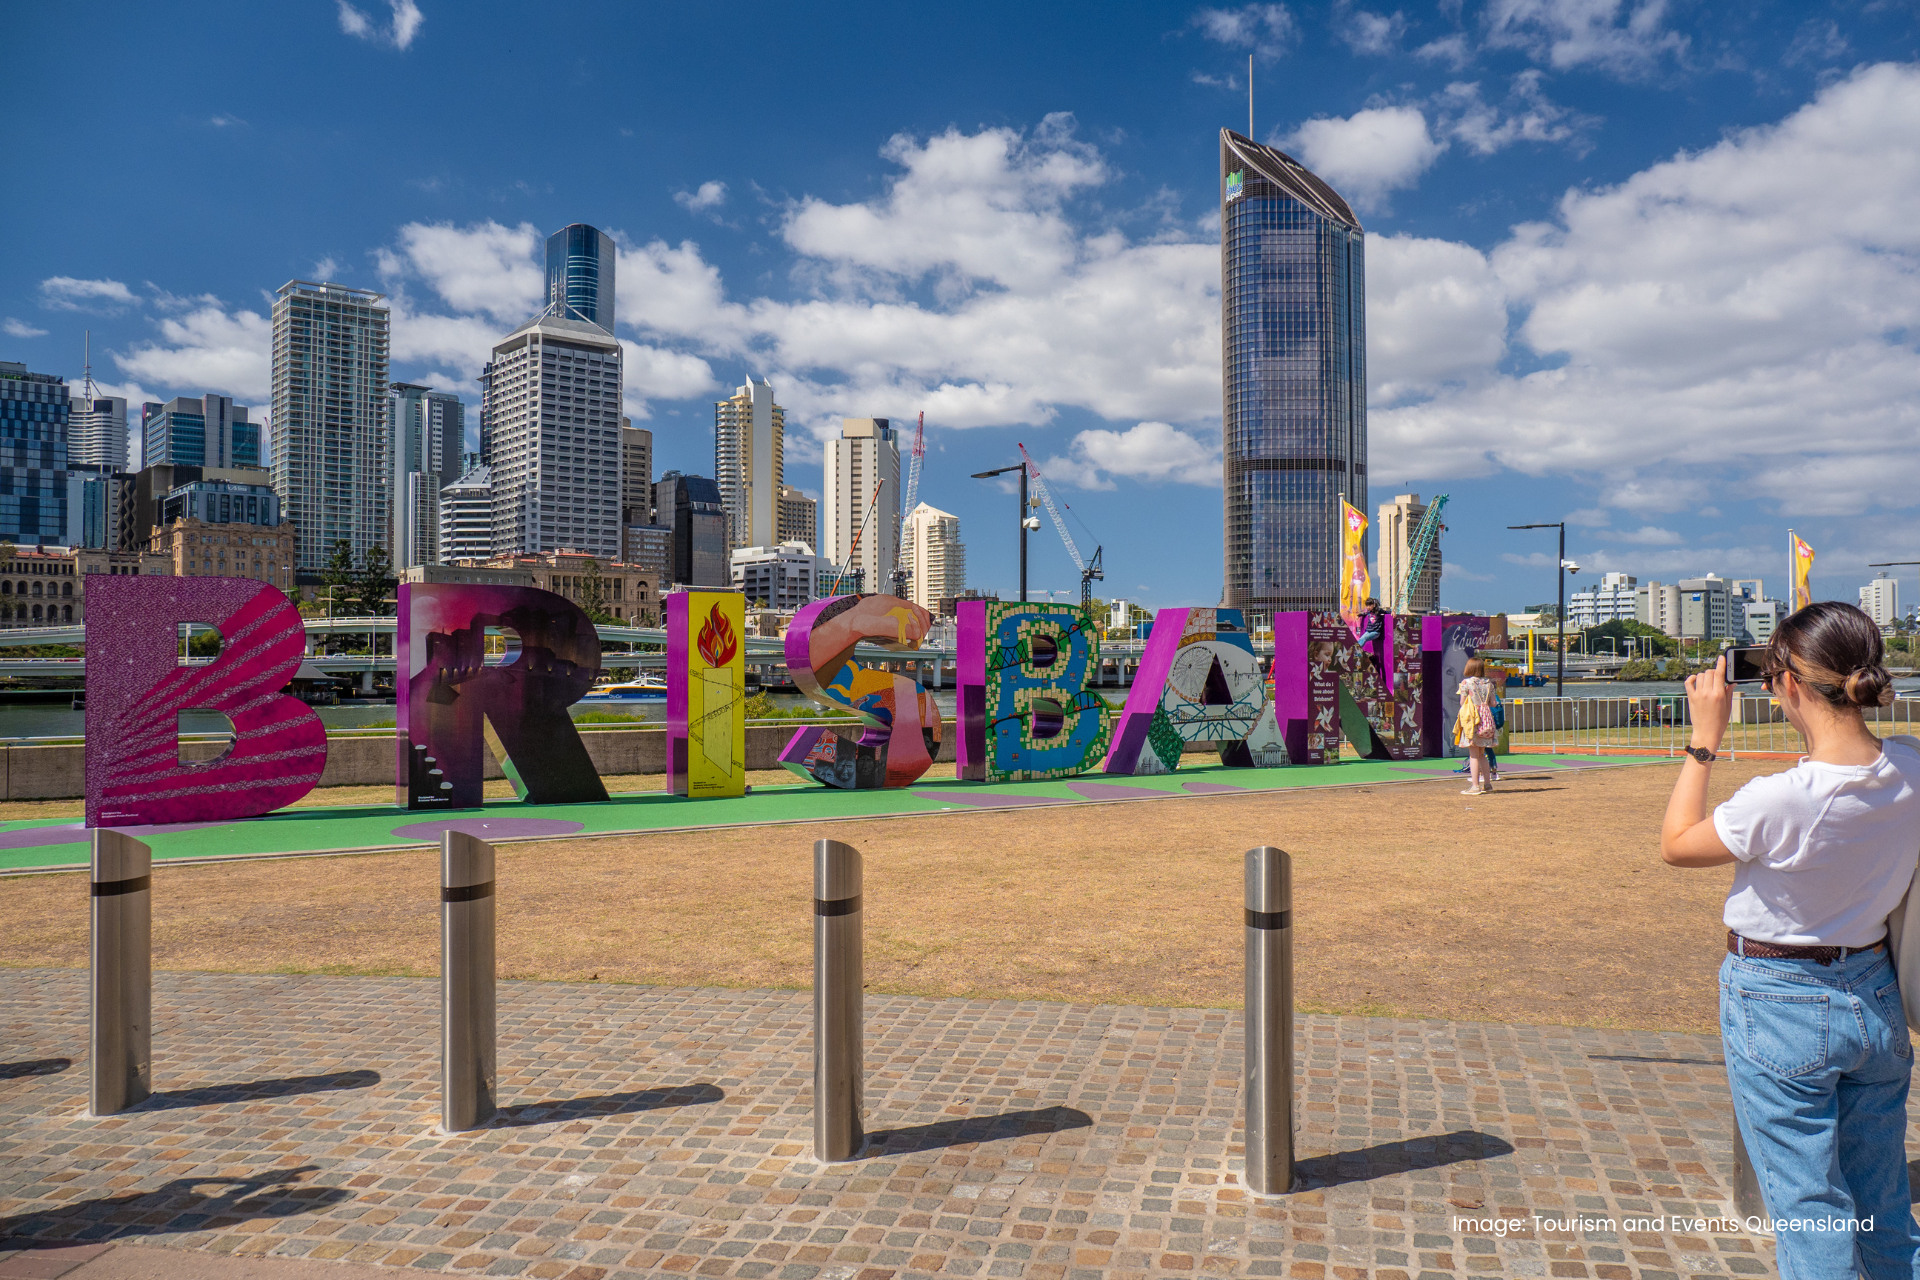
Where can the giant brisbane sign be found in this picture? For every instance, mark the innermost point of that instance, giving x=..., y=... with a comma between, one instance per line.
x=492, y=670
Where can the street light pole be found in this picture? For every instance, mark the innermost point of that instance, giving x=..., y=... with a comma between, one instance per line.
x=1560, y=603
x=1000, y=471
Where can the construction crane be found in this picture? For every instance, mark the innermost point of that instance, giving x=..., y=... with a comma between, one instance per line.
x=1423, y=540
x=900, y=570
x=853, y=548
x=1089, y=571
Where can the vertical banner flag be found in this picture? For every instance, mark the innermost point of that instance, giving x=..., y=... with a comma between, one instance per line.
x=1802, y=570
x=706, y=693
x=1356, y=584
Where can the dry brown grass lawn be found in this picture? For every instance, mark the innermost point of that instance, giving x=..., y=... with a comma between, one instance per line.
x=1545, y=902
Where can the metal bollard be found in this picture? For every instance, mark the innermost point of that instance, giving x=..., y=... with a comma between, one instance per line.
x=122, y=973
x=1269, y=924
x=838, y=977
x=1749, y=1201
x=467, y=1057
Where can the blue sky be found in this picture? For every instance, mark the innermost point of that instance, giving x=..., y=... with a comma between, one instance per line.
x=1648, y=267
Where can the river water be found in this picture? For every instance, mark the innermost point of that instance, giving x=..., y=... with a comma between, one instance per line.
x=56, y=720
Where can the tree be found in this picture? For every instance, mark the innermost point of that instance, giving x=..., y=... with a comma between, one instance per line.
x=338, y=574
x=375, y=581
x=593, y=600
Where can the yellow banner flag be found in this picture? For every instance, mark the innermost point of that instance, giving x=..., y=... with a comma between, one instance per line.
x=1356, y=584
x=1802, y=570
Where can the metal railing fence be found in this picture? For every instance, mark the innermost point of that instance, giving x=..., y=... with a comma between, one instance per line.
x=1659, y=725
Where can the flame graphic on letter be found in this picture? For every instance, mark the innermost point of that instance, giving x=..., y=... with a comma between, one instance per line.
x=717, y=643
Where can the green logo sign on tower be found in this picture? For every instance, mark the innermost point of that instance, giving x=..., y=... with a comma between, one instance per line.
x=1236, y=184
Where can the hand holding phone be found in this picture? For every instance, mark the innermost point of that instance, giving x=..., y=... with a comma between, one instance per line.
x=1747, y=665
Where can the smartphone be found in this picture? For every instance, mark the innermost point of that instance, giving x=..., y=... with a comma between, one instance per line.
x=1747, y=665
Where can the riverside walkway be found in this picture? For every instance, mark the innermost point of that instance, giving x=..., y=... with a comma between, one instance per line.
x=658, y=1131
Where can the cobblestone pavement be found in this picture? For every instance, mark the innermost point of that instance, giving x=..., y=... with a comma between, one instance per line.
x=667, y=1131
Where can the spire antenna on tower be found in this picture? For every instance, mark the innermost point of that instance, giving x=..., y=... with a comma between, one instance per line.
x=87, y=388
x=1250, y=97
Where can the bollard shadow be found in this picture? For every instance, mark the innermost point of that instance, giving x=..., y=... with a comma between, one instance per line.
x=178, y=1205
x=605, y=1104
x=1913, y=1182
x=967, y=1129
x=254, y=1090
x=1388, y=1158
x=34, y=1067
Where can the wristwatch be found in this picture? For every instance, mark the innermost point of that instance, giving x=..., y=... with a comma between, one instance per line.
x=1702, y=754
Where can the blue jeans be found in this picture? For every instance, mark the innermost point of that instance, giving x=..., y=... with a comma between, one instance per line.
x=1819, y=1061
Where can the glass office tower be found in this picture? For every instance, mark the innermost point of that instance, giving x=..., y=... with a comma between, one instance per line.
x=1294, y=374
x=580, y=272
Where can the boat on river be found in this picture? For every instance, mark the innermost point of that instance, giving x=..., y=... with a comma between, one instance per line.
x=646, y=688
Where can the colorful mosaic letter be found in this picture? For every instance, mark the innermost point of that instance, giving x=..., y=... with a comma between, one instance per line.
x=706, y=693
x=1450, y=640
x=454, y=702
x=136, y=690
x=1025, y=712
x=1198, y=682
x=903, y=724
x=1381, y=712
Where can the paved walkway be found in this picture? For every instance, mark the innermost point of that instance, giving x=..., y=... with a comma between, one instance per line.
x=43, y=843
x=659, y=1131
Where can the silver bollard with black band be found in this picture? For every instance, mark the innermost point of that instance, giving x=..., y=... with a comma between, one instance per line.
x=467, y=1058
x=121, y=973
x=1269, y=924
x=838, y=976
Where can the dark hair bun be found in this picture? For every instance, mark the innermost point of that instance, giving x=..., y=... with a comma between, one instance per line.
x=1870, y=687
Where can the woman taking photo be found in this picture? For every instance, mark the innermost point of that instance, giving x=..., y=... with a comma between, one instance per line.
x=1474, y=729
x=1817, y=1050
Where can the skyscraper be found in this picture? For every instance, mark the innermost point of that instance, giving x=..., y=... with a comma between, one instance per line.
x=197, y=431
x=1294, y=372
x=799, y=517
x=466, y=517
x=33, y=456
x=636, y=474
x=866, y=457
x=553, y=417
x=749, y=432
x=329, y=424
x=938, y=559
x=1396, y=526
x=691, y=509
x=429, y=442
x=97, y=429
x=580, y=262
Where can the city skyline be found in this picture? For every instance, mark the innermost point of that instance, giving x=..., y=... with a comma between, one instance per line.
x=1034, y=257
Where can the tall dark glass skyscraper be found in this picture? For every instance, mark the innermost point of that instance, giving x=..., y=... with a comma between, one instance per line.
x=580, y=272
x=1293, y=335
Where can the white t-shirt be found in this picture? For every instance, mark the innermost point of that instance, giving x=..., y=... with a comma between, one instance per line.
x=1825, y=851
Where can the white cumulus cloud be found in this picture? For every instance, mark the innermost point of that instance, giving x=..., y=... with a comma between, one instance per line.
x=1740, y=315
x=397, y=34
x=1267, y=29
x=65, y=293
x=20, y=329
x=1370, y=154
x=710, y=196
x=1613, y=35
x=205, y=347
x=485, y=267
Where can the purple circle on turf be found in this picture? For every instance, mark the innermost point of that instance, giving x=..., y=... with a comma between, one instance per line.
x=490, y=828
x=77, y=832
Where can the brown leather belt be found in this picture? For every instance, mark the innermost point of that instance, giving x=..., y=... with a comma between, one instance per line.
x=1753, y=949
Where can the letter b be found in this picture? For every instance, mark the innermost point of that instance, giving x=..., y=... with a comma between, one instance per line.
x=137, y=688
